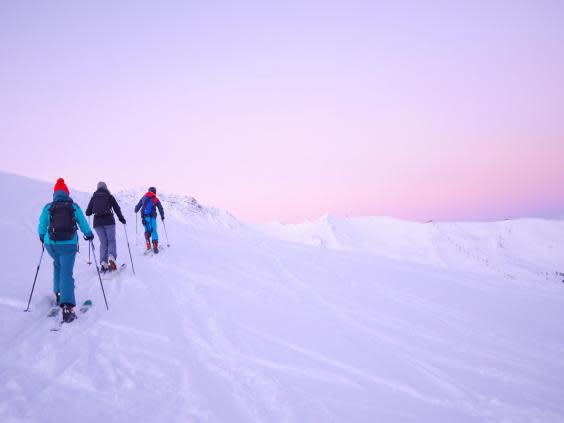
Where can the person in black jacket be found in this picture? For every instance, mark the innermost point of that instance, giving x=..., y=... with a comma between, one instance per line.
x=101, y=205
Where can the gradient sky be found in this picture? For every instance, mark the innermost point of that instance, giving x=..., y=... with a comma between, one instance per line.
x=289, y=109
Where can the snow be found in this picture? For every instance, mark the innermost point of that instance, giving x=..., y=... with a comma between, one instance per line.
x=337, y=320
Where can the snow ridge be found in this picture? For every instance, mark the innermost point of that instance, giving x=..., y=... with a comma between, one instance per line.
x=345, y=320
x=183, y=208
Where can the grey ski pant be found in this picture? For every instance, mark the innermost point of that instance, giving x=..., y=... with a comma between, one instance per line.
x=107, y=237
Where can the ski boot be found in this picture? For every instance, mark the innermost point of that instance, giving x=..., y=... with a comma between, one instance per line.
x=104, y=267
x=148, y=240
x=156, y=247
x=68, y=313
x=112, y=263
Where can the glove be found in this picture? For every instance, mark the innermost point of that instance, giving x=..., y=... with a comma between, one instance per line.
x=122, y=220
x=89, y=236
x=162, y=217
x=42, y=238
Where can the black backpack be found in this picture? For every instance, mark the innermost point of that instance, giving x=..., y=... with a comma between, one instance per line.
x=62, y=223
x=101, y=205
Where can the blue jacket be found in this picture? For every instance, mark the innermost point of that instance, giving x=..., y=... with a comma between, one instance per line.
x=45, y=217
x=156, y=202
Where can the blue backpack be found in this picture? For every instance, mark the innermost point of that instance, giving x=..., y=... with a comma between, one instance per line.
x=148, y=206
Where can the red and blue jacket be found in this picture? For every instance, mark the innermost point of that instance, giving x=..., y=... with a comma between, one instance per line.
x=148, y=205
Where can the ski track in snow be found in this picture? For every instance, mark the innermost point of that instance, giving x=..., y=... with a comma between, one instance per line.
x=338, y=320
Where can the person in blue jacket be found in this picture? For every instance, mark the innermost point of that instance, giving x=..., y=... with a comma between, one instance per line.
x=148, y=206
x=58, y=232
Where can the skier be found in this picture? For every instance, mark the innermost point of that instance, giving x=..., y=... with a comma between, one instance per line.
x=58, y=232
x=101, y=205
x=148, y=206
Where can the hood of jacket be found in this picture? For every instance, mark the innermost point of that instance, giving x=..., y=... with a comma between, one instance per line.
x=61, y=195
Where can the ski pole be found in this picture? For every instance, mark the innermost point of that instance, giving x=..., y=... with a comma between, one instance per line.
x=99, y=277
x=164, y=226
x=36, y=273
x=89, y=262
x=130, y=258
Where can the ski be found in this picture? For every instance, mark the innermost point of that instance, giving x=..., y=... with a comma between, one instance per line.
x=58, y=322
x=151, y=252
x=86, y=305
x=111, y=274
x=54, y=316
x=53, y=311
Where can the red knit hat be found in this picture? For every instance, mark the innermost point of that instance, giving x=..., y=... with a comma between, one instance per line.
x=60, y=185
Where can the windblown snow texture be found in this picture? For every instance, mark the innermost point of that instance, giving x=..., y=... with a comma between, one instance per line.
x=338, y=320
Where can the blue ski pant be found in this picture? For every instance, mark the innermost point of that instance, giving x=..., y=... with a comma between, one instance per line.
x=107, y=237
x=63, y=265
x=151, y=227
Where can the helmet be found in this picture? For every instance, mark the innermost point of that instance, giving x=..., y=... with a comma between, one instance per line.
x=153, y=190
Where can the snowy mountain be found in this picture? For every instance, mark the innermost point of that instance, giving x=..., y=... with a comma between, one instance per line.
x=337, y=320
x=526, y=247
x=183, y=209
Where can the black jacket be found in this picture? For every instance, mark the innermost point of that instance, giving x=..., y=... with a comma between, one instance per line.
x=105, y=218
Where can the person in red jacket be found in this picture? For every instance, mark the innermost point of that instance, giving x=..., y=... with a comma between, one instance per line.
x=148, y=205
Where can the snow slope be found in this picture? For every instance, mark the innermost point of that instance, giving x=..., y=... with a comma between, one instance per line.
x=340, y=320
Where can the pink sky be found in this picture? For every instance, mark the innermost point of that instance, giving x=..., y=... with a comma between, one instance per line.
x=287, y=111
